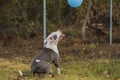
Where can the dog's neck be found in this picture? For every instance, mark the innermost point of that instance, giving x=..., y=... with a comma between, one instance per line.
x=52, y=46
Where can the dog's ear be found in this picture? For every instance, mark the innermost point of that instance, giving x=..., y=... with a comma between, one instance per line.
x=49, y=40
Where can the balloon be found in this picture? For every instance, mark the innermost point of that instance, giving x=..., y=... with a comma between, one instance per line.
x=75, y=3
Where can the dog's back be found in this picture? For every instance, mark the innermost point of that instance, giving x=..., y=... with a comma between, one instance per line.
x=47, y=55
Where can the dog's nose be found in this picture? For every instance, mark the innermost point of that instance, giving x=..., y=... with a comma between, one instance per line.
x=59, y=30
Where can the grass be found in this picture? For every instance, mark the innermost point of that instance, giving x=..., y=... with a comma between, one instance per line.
x=74, y=70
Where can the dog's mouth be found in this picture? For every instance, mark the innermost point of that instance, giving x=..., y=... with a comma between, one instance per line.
x=62, y=36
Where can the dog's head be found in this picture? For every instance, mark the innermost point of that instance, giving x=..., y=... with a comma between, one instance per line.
x=54, y=37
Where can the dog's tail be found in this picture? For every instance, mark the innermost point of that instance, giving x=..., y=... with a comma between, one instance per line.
x=23, y=75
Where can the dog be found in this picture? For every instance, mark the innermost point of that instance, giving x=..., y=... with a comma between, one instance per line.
x=50, y=54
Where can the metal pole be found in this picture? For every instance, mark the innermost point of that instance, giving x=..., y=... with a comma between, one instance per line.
x=110, y=22
x=44, y=19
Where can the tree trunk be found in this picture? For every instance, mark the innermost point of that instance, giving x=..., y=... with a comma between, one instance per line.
x=85, y=20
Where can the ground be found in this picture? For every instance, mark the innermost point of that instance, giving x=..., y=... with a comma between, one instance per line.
x=75, y=70
x=93, y=61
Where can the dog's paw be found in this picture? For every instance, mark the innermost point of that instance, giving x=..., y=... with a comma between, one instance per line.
x=58, y=71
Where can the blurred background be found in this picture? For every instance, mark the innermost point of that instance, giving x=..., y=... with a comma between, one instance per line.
x=21, y=26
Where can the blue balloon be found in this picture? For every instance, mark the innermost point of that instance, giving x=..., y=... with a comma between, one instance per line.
x=75, y=3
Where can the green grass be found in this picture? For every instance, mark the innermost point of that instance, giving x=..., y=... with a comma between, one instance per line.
x=74, y=70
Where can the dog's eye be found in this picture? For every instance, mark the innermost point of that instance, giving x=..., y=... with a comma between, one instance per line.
x=55, y=37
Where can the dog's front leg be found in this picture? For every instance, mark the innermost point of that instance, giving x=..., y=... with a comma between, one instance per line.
x=56, y=63
x=58, y=70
